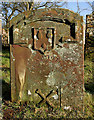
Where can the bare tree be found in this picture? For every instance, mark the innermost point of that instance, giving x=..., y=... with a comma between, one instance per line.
x=91, y=4
x=79, y=10
x=11, y=9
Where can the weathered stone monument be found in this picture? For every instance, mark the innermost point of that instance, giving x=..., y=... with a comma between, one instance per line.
x=47, y=55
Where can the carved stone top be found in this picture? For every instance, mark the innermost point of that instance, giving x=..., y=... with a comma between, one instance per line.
x=55, y=14
x=66, y=23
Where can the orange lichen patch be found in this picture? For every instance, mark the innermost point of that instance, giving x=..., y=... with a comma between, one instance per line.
x=27, y=14
x=50, y=13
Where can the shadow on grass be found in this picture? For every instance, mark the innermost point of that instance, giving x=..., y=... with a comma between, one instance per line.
x=5, y=69
x=5, y=47
x=89, y=87
x=4, y=56
x=6, y=90
x=5, y=51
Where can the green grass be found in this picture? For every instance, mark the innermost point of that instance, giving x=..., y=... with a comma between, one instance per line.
x=6, y=65
x=89, y=75
x=5, y=74
x=89, y=84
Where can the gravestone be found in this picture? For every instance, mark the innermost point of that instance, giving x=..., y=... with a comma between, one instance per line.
x=47, y=58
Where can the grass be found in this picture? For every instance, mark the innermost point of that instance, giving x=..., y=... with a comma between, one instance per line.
x=89, y=76
x=30, y=111
x=6, y=65
x=5, y=74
